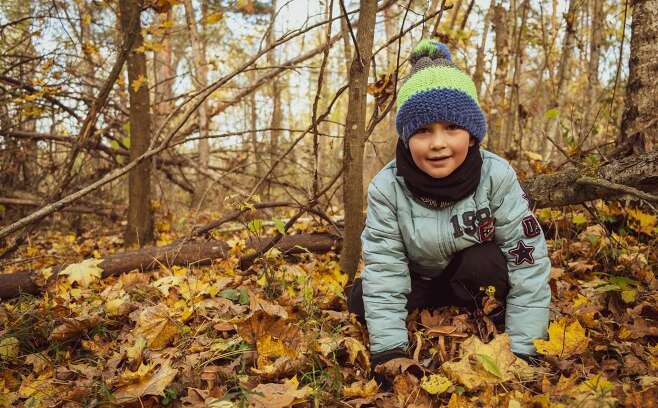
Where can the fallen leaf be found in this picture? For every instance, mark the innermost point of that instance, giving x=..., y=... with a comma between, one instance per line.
x=84, y=273
x=565, y=340
x=154, y=324
x=435, y=384
x=486, y=364
x=277, y=395
x=73, y=327
x=357, y=352
x=361, y=389
x=148, y=385
x=9, y=347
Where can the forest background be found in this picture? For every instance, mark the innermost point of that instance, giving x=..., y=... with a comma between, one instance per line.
x=183, y=190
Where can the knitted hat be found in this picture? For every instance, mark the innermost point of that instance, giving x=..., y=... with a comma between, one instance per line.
x=436, y=90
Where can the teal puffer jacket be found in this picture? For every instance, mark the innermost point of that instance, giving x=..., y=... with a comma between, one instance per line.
x=400, y=231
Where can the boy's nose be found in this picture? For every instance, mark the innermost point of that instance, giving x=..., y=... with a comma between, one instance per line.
x=438, y=140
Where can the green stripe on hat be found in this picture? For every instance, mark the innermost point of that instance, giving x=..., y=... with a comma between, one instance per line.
x=434, y=78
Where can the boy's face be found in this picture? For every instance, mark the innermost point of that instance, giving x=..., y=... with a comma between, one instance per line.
x=439, y=148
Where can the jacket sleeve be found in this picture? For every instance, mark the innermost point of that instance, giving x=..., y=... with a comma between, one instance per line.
x=521, y=240
x=386, y=281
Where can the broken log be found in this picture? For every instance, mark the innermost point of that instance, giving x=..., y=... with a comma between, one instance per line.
x=565, y=188
x=181, y=254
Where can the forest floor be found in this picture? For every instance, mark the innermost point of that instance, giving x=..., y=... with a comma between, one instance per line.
x=280, y=336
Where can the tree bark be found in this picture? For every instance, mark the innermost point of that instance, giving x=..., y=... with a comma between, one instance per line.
x=639, y=123
x=140, y=213
x=277, y=116
x=200, y=65
x=513, y=130
x=354, y=140
x=557, y=100
x=595, y=43
x=478, y=76
x=382, y=144
x=499, y=108
x=562, y=188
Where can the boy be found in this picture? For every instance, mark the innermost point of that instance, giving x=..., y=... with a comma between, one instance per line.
x=446, y=218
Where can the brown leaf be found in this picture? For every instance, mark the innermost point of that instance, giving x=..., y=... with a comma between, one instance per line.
x=360, y=389
x=277, y=395
x=153, y=384
x=154, y=324
x=73, y=327
x=399, y=366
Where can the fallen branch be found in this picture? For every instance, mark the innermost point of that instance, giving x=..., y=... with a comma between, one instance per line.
x=150, y=258
x=639, y=172
x=620, y=188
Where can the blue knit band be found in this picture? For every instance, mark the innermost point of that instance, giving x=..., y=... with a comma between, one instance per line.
x=441, y=104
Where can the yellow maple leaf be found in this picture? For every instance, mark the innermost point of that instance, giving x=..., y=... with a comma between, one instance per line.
x=486, y=364
x=149, y=384
x=435, y=384
x=84, y=273
x=40, y=388
x=154, y=324
x=357, y=352
x=565, y=340
x=643, y=222
x=361, y=389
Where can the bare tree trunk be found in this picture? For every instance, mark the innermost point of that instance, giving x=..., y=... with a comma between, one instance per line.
x=277, y=117
x=478, y=76
x=513, y=136
x=354, y=141
x=140, y=213
x=595, y=43
x=347, y=45
x=201, y=82
x=163, y=68
x=639, y=123
x=553, y=126
x=87, y=41
x=499, y=99
x=253, y=124
x=381, y=150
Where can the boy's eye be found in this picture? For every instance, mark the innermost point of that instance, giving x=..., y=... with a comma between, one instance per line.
x=423, y=130
x=452, y=126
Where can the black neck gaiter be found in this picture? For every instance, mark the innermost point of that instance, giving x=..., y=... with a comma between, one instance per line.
x=439, y=192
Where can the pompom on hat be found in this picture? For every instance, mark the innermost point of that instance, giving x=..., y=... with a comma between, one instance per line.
x=437, y=90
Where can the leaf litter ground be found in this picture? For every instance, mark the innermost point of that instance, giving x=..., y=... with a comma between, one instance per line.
x=280, y=336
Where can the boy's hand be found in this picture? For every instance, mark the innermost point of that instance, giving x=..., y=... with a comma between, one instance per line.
x=381, y=358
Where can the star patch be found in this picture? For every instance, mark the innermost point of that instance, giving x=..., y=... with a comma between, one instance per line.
x=531, y=227
x=522, y=253
x=486, y=229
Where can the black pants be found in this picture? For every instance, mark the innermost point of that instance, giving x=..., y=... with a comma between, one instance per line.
x=460, y=284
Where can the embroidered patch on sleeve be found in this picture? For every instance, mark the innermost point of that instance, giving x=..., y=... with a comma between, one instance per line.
x=522, y=253
x=531, y=227
x=487, y=229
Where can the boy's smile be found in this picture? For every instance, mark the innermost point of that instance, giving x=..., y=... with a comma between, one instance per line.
x=439, y=148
